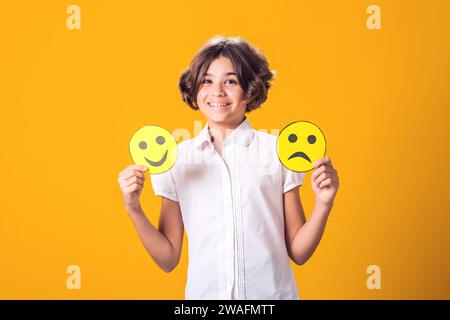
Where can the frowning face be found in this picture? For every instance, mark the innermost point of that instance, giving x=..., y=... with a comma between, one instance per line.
x=299, y=145
x=155, y=148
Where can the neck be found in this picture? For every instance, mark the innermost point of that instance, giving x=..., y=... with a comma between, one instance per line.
x=221, y=131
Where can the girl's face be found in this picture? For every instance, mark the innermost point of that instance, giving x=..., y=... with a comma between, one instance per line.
x=220, y=97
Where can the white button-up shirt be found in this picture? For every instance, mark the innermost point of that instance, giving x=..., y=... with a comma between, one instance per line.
x=232, y=210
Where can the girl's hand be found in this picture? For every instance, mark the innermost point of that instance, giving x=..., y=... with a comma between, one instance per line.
x=131, y=181
x=324, y=181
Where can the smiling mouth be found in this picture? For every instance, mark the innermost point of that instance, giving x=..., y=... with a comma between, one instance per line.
x=157, y=163
x=219, y=106
x=301, y=155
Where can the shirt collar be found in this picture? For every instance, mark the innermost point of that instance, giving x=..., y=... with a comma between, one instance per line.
x=243, y=134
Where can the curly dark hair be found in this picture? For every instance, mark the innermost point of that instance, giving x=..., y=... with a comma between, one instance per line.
x=250, y=64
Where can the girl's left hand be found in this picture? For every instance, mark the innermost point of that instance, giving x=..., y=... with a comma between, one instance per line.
x=324, y=181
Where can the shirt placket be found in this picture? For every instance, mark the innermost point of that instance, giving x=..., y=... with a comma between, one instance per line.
x=225, y=222
x=234, y=165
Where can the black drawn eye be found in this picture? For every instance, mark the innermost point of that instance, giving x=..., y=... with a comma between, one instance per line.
x=160, y=140
x=143, y=145
x=312, y=139
x=292, y=137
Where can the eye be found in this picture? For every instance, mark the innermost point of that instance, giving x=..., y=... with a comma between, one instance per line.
x=160, y=140
x=312, y=139
x=206, y=81
x=143, y=145
x=231, y=81
x=292, y=138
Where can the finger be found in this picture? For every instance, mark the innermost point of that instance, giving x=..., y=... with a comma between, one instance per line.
x=132, y=188
x=321, y=170
x=125, y=187
x=126, y=183
x=134, y=179
x=326, y=176
x=321, y=177
x=126, y=180
x=318, y=172
x=138, y=167
x=325, y=183
x=321, y=161
x=132, y=168
x=130, y=173
x=330, y=169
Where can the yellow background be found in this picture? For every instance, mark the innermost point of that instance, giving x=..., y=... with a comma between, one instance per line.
x=71, y=99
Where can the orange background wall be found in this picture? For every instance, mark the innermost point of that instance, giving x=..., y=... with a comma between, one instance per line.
x=71, y=99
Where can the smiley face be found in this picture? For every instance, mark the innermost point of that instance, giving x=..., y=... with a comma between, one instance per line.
x=155, y=148
x=299, y=145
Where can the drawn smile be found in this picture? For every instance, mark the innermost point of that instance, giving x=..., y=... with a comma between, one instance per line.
x=157, y=163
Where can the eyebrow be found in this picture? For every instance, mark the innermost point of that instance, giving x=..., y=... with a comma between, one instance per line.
x=227, y=74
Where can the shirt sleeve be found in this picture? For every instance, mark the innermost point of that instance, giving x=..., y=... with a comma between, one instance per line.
x=164, y=185
x=292, y=179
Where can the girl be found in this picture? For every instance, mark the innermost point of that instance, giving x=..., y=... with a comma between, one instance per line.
x=240, y=207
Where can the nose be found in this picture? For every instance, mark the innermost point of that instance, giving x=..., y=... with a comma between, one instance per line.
x=218, y=90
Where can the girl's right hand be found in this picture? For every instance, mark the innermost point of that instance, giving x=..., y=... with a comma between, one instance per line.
x=131, y=181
